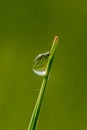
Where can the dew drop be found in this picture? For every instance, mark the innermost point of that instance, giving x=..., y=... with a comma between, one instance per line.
x=40, y=63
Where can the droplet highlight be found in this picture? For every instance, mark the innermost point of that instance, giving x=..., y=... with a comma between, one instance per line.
x=40, y=63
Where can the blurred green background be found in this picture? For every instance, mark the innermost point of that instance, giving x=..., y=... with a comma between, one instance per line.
x=27, y=28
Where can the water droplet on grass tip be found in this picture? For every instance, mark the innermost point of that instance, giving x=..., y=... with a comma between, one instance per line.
x=40, y=63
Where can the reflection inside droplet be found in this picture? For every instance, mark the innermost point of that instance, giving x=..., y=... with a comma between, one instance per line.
x=39, y=72
x=40, y=63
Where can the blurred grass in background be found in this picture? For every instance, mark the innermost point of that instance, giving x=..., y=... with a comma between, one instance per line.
x=27, y=28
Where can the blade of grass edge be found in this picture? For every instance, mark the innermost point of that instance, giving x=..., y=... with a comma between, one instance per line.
x=36, y=111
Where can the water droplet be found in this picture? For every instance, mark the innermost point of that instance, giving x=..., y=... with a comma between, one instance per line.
x=40, y=63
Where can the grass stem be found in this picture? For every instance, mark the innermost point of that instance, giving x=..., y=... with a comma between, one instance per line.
x=36, y=111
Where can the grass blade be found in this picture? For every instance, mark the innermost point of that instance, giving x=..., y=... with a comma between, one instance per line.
x=36, y=111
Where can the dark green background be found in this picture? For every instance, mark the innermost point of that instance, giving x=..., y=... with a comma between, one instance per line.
x=27, y=28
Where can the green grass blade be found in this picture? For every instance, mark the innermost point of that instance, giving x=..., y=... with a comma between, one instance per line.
x=36, y=111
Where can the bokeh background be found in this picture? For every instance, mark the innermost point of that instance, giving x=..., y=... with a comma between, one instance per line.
x=27, y=28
